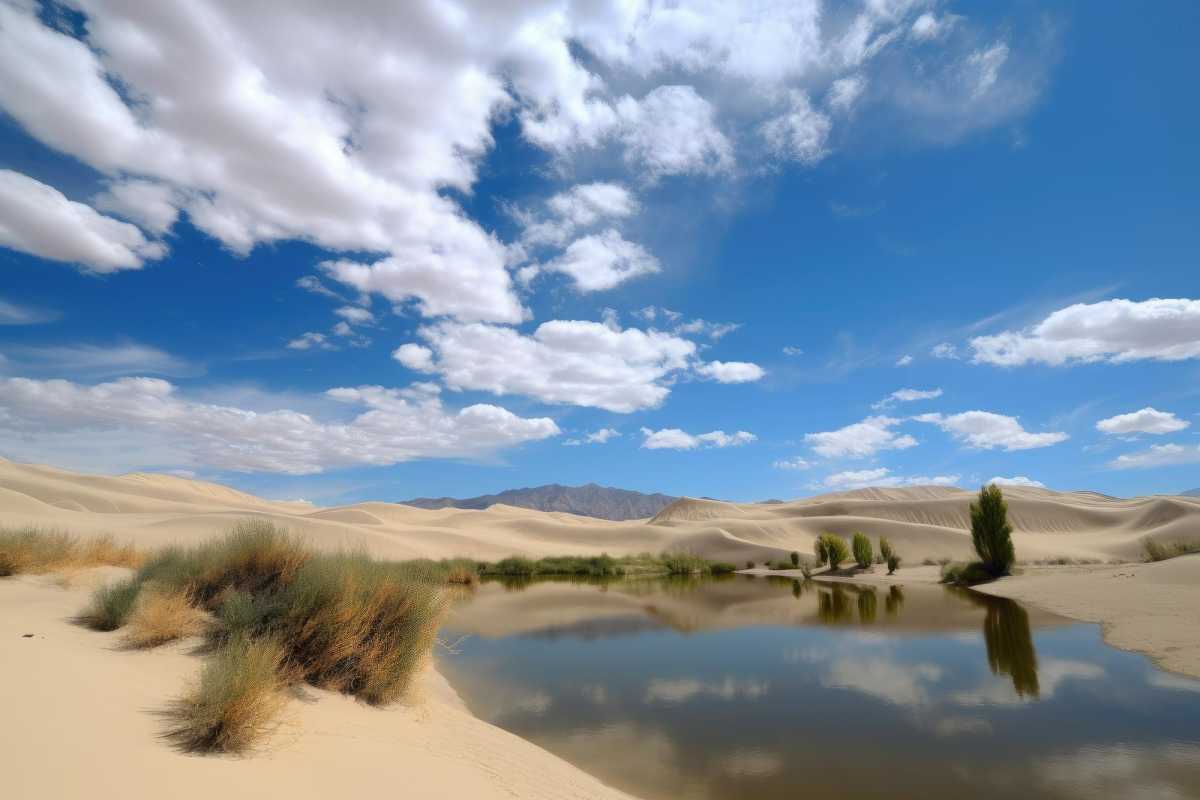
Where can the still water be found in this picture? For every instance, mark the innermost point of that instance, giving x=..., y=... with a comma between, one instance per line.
x=772, y=688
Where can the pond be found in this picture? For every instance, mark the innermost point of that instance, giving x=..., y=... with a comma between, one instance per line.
x=773, y=688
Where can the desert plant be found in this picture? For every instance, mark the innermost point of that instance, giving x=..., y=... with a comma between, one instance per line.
x=1161, y=551
x=806, y=571
x=991, y=532
x=110, y=605
x=160, y=616
x=749, y=565
x=893, y=563
x=885, y=548
x=795, y=559
x=723, y=568
x=34, y=550
x=236, y=698
x=831, y=549
x=863, y=552
x=960, y=574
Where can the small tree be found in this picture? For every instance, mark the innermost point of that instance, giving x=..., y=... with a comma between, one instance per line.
x=885, y=548
x=795, y=559
x=832, y=550
x=893, y=562
x=863, y=553
x=991, y=532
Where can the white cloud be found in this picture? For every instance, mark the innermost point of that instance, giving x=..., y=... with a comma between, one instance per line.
x=151, y=420
x=580, y=207
x=800, y=133
x=907, y=396
x=731, y=371
x=885, y=679
x=603, y=260
x=844, y=93
x=99, y=361
x=355, y=315
x=987, y=431
x=1115, y=331
x=1017, y=480
x=944, y=350
x=1158, y=455
x=311, y=341
x=796, y=463
x=676, y=439
x=860, y=440
x=40, y=220
x=904, y=361
x=601, y=436
x=882, y=476
x=673, y=131
x=1147, y=420
x=928, y=26
x=789, y=350
x=563, y=361
x=311, y=283
x=414, y=356
x=14, y=314
x=153, y=206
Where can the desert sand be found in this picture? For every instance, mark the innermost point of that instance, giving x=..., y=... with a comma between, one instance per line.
x=76, y=697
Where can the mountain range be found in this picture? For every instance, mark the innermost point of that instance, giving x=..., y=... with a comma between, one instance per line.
x=589, y=500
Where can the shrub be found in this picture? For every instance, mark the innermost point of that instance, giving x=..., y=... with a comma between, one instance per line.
x=831, y=549
x=160, y=616
x=111, y=605
x=795, y=559
x=749, y=565
x=236, y=698
x=863, y=552
x=961, y=574
x=33, y=550
x=806, y=571
x=991, y=532
x=723, y=568
x=893, y=563
x=1161, y=551
x=885, y=548
x=513, y=566
x=684, y=564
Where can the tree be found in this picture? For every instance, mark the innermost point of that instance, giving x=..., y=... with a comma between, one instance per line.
x=885, y=548
x=991, y=532
x=831, y=549
x=863, y=553
x=795, y=559
x=893, y=563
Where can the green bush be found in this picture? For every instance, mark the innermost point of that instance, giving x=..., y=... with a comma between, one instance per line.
x=111, y=605
x=991, y=532
x=749, y=565
x=723, y=568
x=863, y=552
x=795, y=559
x=831, y=549
x=885, y=548
x=960, y=574
x=893, y=563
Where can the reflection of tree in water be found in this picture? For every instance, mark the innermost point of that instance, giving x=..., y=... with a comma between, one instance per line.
x=893, y=601
x=1009, y=641
x=833, y=606
x=866, y=606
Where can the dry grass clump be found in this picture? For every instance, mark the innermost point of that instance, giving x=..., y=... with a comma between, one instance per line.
x=31, y=550
x=1161, y=551
x=237, y=698
x=162, y=615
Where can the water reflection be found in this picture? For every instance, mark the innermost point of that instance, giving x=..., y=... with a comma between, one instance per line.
x=702, y=689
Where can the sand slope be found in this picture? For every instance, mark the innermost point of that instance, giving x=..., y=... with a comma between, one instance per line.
x=922, y=522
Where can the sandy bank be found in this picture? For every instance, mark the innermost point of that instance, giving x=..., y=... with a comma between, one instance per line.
x=80, y=721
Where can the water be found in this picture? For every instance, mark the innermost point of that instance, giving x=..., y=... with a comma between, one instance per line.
x=768, y=688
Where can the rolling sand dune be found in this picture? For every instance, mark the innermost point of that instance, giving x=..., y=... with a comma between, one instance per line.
x=922, y=522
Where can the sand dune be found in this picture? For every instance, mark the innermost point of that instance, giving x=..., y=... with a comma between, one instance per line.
x=922, y=522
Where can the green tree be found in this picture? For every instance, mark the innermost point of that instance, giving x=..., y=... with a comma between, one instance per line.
x=863, y=553
x=795, y=559
x=893, y=563
x=831, y=549
x=885, y=548
x=991, y=532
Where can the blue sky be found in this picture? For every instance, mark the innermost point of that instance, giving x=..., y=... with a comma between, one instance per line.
x=683, y=249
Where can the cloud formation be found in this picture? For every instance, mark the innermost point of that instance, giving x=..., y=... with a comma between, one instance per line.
x=1146, y=420
x=860, y=440
x=676, y=439
x=985, y=430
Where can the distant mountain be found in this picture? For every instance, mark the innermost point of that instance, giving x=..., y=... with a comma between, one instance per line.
x=1191, y=493
x=591, y=500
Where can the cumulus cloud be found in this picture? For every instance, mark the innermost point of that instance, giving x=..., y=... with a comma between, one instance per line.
x=40, y=220
x=563, y=361
x=801, y=131
x=985, y=430
x=673, y=131
x=1017, y=480
x=150, y=415
x=1114, y=331
x=311, y=341
x=731, y=371
x=907, y=396
x=153, y=206
x=881, y=476
x=1158, y=455
x=1147, y=420
x=595, y=437
x=789, y=350
x=860, y=440
x=355, y=315
x=676, y=439
x=904, y=361
x=603, y=260
x=578, y=208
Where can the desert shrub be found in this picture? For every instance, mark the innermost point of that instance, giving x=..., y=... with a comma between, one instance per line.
x=160, y=616
x=885, y=548
x=863, y=552
x=111, y=605
x=831, y=549
x=991, y=533
x=893, y=563
x=684, y=564
x=34, y=550
x=1161, y=551
x=960, y=574
x=749, y=565
x=513, y=566
x=795, y=559
x=237, y=697
x=723, y=568
x=806, y=571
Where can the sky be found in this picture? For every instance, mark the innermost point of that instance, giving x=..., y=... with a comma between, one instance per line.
x=742, y=250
